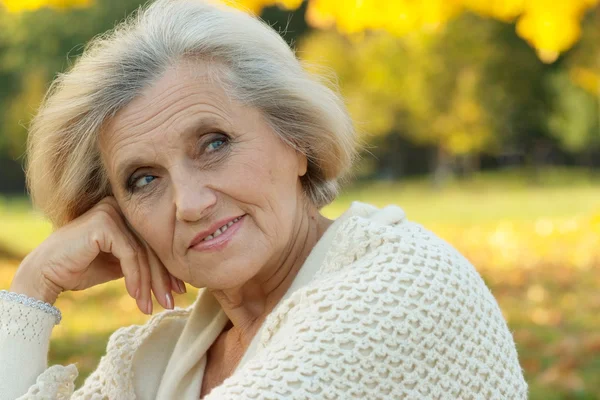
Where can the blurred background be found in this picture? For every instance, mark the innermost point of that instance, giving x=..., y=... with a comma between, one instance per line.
x=480, y=118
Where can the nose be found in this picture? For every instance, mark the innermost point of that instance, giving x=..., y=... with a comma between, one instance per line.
x=193, y=200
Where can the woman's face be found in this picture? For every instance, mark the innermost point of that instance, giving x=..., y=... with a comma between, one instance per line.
x=183, y=157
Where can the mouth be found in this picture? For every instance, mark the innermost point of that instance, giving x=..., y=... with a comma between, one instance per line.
x=218, y=237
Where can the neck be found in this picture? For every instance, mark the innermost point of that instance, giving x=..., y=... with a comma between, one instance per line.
x=248, y=305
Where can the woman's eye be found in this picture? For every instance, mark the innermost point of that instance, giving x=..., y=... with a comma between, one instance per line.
x=143, y=181
x=215, y=144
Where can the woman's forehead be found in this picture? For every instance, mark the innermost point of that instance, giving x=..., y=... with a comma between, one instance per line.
x=184, y=99
x=178, y=89
x=182, y=96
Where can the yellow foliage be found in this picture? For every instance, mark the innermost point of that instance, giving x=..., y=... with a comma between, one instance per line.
x=30, y=5
x=396, y=17
x=517, y=246
x=587, y=79
x=550, y=26
x=256, y=6
x=505, y=10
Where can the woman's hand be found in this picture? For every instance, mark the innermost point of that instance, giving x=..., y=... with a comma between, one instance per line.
x=94, y=248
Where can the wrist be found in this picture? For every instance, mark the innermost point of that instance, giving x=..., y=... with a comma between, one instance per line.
x=33, y=284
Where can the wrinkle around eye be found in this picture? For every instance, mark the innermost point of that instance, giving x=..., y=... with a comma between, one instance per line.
x=143, y=191
x=139, y=178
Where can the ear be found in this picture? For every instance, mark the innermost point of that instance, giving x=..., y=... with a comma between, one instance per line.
x=302, y=163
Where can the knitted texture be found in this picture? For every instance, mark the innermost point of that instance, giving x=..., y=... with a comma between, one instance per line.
x=56, y=383
x=113, y=379
x=393, y=313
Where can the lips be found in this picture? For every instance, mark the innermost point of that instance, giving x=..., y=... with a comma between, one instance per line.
x=215, y=230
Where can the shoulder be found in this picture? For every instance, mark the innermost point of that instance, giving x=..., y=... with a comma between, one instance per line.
x=407, y=265
x=386, y=240
x=398, y=291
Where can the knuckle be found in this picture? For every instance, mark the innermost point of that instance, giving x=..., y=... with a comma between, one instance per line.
x=103, y=216
x=96, y=237
x=107, y=208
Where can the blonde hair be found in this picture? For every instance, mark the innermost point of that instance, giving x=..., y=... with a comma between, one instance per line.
x=65, y=174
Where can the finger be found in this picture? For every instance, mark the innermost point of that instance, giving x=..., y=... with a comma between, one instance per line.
x=110, y=239
x=144, y=300
x=142, y=295
x=182, y=286
x=132, y=279
x=161, y=282
x=177, y=285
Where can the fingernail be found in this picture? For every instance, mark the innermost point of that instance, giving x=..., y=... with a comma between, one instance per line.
x=137, y=293
x=149, y=307
x=169, y=299
x=181, y=287
x=174, y=284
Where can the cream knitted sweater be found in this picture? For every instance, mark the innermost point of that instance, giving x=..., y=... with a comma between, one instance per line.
x=382, y=309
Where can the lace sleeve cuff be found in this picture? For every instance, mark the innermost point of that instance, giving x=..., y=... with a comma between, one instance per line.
x=30, y=324
x=31, y=302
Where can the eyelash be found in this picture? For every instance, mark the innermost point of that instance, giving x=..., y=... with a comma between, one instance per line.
x=131, y=188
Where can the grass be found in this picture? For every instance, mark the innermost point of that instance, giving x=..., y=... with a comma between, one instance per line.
x=21, y=229
x=537, y=245
x=488, y=197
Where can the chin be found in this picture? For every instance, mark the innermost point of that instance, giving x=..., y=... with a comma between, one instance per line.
x=228, y=275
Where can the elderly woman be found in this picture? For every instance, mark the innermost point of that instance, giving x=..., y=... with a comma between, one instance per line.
x=189, y=146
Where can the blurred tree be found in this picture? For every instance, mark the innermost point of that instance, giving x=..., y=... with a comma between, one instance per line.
x=575, y=118
x=425, y=87
x=33, y=46
x=517, y=96
x=413, y=73
x=19, y=111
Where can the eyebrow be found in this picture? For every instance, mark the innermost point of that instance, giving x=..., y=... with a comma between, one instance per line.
x=199, y=128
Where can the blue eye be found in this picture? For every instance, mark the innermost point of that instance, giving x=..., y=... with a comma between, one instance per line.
x=215, y=144
x=143, y=181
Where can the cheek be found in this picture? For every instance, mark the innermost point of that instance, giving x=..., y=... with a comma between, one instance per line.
x=145, y=224
x=265, y=174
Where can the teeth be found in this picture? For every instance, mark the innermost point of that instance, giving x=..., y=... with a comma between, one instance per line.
x=221, y=229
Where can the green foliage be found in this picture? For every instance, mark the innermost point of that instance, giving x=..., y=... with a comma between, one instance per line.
x=575, y=120
x=575, y=117
x=425, y=86
x=468, y=88
x=34, y=47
